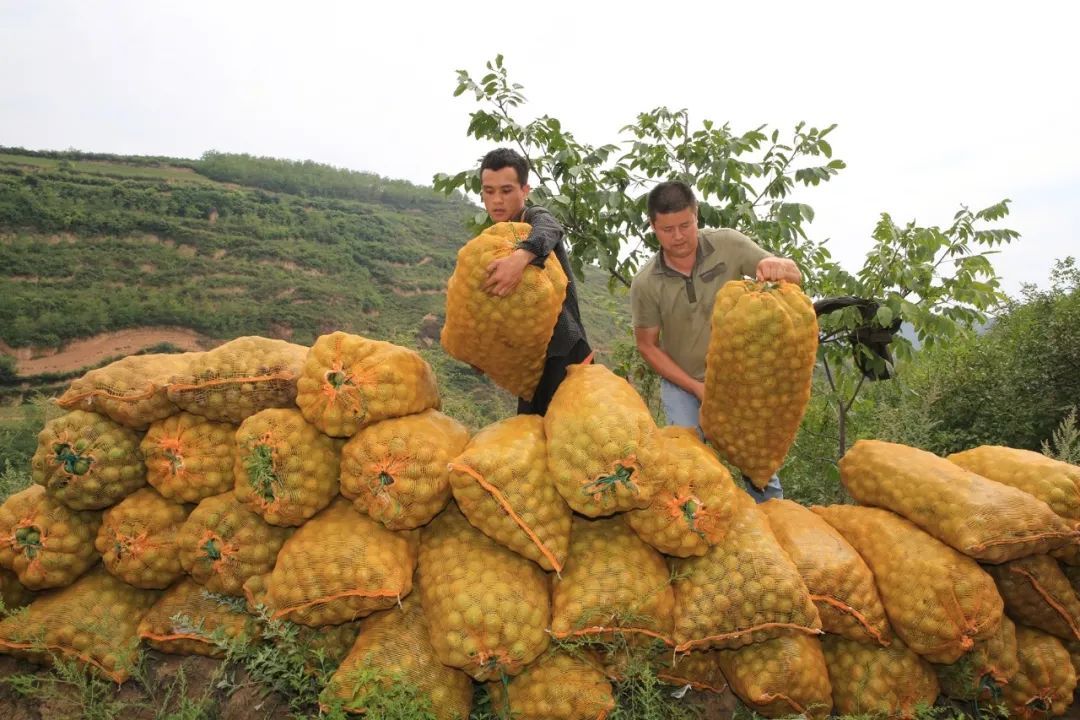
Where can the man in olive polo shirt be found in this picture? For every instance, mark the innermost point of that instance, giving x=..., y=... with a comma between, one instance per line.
x=672, y=299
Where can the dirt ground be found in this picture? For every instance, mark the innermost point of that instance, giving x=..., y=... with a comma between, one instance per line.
x=82, y=353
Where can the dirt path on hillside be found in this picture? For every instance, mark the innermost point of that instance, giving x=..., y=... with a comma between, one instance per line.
x=78, y=354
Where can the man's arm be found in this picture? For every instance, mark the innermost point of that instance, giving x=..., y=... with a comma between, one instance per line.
x=505, y=274
x=648, y=344
x=774, y=269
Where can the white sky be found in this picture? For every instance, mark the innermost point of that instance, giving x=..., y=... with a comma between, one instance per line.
x=938, y=103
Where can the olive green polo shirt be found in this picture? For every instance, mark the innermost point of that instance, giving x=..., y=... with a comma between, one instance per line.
x=681, y=305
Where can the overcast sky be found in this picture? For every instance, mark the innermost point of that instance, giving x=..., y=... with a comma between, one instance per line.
x=938, y=103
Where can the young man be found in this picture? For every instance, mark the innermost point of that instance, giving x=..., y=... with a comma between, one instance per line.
x=672, y=300
x=504, y=180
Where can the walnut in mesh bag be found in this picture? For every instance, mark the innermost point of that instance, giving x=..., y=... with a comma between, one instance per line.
x=555, y=686
x=93, y=620
x=506, y=337
x=189, y=458
x=501, y=484
x=981, y=518
x=238, y=379
x=13, y=594
x=137, y=540
x=487, y=607
x=223, y=544
x=87, y=461
x=190, y=620
x=1044, y=685
x=1038, y=594
x=602, y=443
x=350, y=381
x=780, y=677
x=337, y=567
x=132, y=391
x=759, y=367
x=285, y=469
x=840, y=583
x=992, y=662
x=44, y=542
x=869, y=679
x=393, y=646
x=396, y=470
x=953, y=603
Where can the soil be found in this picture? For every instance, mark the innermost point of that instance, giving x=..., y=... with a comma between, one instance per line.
x=90, y=351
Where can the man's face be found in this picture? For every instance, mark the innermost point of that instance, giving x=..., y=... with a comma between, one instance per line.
x=677, y=233
x=504, y=197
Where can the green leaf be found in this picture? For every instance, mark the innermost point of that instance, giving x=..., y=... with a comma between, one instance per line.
x=884, y=316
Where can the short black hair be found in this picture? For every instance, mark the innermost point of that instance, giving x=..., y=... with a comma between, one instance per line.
x=500, y=158
x=670, y=197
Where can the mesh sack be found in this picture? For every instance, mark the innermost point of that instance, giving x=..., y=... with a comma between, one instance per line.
x=745, y=589
x=223, y=544
x=87, y=461
x=285, y=469
x=132, y=391
x=93, y=620
x=1073, y=648
x=337, y=567
x=1044, y=685
x=238, y=379
x=505, y=337
x=501, y=484
x=1038, y=594
x=953, y=603
x=137, y=540
x=349, y=382
x=759, y=366
x=190, y=620
x=189, y=458
x=487, y=607
x=840, y=583
x=13, y=594
x=992, y=662
x=393, y=646
x=44, y=542
x=555, y=686
x=395, y=471
x=700, y=669
x=979, y=517
x=780, y=677
x=694, y=503
x=868, y=679
x=613, y=582
x=601, y=442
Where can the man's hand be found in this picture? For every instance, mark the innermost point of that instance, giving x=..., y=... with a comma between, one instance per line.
x=505, y=274
x=774, y=269
x=698, y=389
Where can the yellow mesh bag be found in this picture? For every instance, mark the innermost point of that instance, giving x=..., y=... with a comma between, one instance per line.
x=350, y=381
x=487, y=607
x=506, y=338
x=393, y=646
x=1038, y=594
x=137, y=540
x=745, y=589
x=188, y=619
x=46, y=543
x=759, y=366
x=601, y=443
x=694, y=504
x=132, y=391
x=337, y=567
x=501, y=484
x=1045, y=683
x=238, y=379
x=1073, y=648
x=992, y=662
x=979, y=517
x=556, y=686
x=189, y=458
x=93, y=620
x=396, y=470
x=780, y=677
x=613, y=582
x=953, y=603
x=839, y=581
x=331, y=642
x=87, y=461
x=868, y=679
x=13, y=594
x=223, y=544
x=285, y=469
x=700, y=669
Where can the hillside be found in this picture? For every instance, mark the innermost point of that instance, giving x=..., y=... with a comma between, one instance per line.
x=225, y=246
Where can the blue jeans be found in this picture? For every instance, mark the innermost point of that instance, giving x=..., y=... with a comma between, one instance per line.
x=683, y=409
